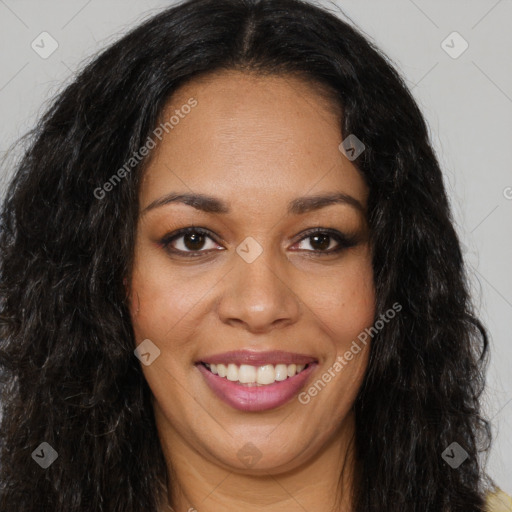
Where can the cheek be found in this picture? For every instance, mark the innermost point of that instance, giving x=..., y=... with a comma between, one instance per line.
x=155, y=307
x=345, y=306
x=164, y=304
x=151, y=298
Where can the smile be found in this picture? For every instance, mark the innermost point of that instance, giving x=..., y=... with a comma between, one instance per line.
x=251, y=381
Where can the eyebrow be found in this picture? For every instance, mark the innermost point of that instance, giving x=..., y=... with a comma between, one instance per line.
x=210, y=204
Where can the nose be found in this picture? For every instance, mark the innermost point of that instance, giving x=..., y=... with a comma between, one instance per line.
x=258, y=296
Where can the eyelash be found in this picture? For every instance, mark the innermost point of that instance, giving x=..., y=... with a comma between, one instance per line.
x=344, y=241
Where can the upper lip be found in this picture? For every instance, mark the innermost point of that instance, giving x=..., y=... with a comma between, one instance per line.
x=254, y=358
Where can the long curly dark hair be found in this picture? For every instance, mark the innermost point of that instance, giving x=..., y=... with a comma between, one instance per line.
x=69, y=374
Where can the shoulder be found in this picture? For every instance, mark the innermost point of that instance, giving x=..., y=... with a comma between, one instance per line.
x=498, y=501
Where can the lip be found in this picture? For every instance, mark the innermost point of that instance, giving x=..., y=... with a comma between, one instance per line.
x=256, y=398
x=254, y=358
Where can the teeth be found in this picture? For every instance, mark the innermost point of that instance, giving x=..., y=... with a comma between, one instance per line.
x=246, y=374
x=232, y=374
x=266, y=374
x=292, y=368
x=281, y=372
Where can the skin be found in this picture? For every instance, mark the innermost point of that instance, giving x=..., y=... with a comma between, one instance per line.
x=255, y=143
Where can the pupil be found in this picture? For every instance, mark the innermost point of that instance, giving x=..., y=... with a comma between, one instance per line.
x=324, y=244
x=196, y=241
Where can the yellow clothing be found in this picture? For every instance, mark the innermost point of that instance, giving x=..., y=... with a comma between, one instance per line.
x=499, y=502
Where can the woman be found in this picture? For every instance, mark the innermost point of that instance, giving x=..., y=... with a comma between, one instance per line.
x=230, y=281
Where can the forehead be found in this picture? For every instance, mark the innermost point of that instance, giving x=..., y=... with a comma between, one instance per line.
x=254, y=136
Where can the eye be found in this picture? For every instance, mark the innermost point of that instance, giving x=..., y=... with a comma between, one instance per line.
x=188, y=241
x=327, y=241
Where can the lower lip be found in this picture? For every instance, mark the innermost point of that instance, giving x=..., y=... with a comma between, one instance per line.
x=256, y=398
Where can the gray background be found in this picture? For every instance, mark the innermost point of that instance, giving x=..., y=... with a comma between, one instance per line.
x=467, y=102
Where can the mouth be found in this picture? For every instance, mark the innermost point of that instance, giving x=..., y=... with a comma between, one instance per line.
x=256, y=381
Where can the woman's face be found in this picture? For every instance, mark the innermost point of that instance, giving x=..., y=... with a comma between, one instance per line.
x=277, y=278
